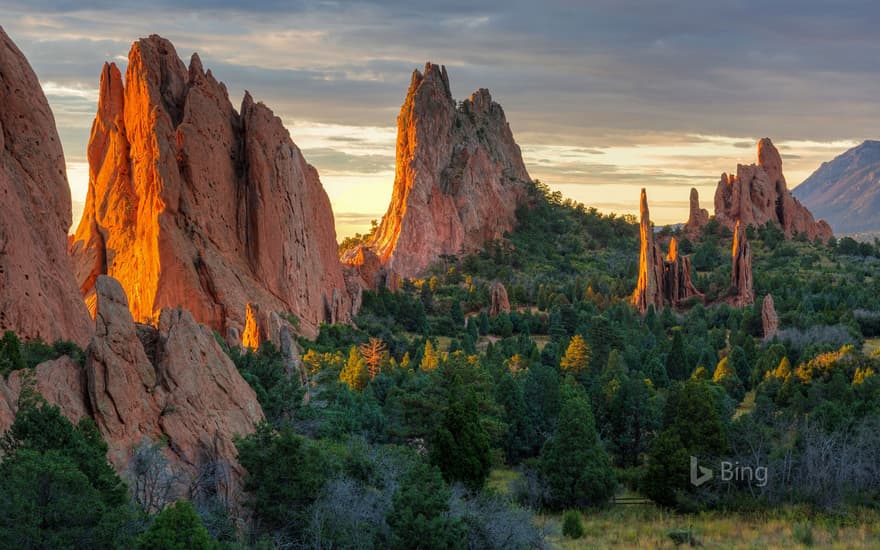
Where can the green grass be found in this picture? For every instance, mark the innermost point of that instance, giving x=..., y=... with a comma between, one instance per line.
x=500, y=480
x=644, y=527
x=647, y=526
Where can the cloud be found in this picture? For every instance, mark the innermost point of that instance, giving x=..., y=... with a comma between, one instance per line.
x=609, y=80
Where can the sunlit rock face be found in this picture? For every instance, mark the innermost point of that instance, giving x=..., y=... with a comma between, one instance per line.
x=38, y=293
x=662, y=281
x=459, y=179
x=758, y=194
x=193, y=204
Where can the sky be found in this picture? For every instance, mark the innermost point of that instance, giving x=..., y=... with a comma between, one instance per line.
x=604, y=97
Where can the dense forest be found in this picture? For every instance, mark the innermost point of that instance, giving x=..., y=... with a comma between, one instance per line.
x=409, y=416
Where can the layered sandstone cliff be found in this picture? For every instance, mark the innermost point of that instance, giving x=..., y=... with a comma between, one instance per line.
x=459, y=180
x=38, y=293
x=758, y=194
x=193, y=204
x=173, y=384
x=663, y=281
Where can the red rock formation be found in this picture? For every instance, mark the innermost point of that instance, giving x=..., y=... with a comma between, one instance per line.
x=459, y=180
x=677, y=284
x=759, y=194
x=61, y=382
x=192, y=204
x=769, y=317
x=662, y=281
x=500, y=303
x=188, y=394
x=174, y=384
x=741, y=278
x=698, y=217
x=38, y=295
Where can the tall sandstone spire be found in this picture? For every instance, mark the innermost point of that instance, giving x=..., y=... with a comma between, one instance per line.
x=662, y=281
x=38, y=293
x=193, y=204
x=741, y=268
x=758, y=194
x=459, y=179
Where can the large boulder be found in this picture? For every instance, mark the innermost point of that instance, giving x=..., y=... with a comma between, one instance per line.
x=193, y=204
x=38, y=293
x=459, y=180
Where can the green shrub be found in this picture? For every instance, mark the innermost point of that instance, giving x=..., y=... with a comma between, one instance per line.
x=571, y=524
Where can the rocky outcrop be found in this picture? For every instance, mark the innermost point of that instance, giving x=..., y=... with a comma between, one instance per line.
x=758, y=194
x=191, y=396
x=769, y=317
x=662, y=281
x=38, y=293
x=499, y=304
x=193, y=204
x=173, y=384
x=459, y=180
x=698, y=217
x=61, y=382
x=741, y=284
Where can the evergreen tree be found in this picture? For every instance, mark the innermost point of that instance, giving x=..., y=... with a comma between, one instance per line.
x=676, y=362
x=460, y=444
x=177, y=527
x=573, y=463
x=419, y=515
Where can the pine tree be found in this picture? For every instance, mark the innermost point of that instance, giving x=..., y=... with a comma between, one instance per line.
x=577, y=356
x=676, y=362
x=460, y=444
x=573, y=463
x=177, y=527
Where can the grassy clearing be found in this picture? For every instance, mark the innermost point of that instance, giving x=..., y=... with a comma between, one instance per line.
x=647, y=526
x=636, y=527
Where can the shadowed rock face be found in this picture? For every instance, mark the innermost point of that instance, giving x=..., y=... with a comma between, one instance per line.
x=172, y=384
x=741, y=277
x=38, y=293
x=758, y=194
x=459, y=180
x=196, y=205
x=500, y=304
x=662, y=281
x=769, y=317
x=192, y=396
